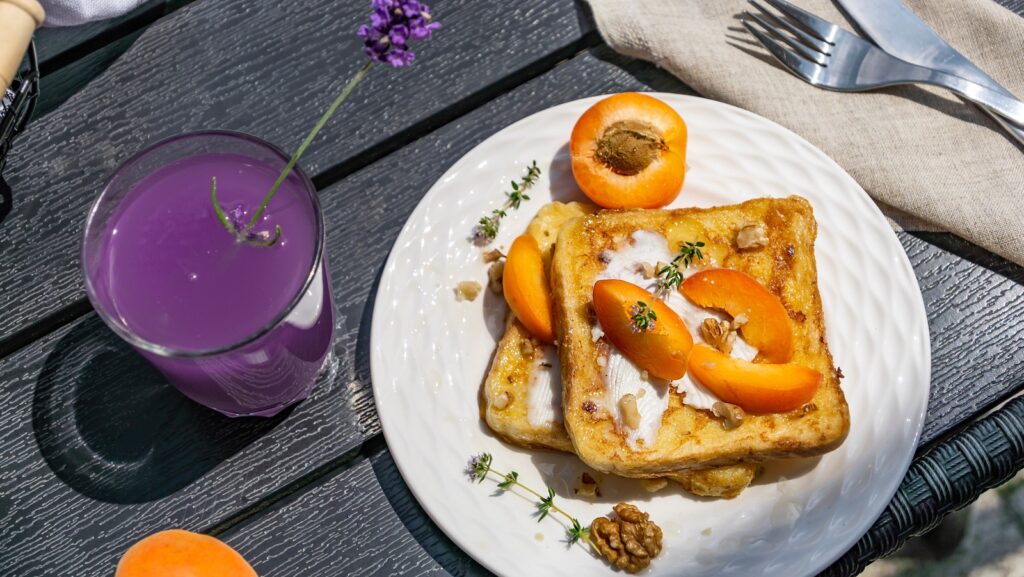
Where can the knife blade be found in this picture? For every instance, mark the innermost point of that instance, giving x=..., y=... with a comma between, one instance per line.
x=898, y=31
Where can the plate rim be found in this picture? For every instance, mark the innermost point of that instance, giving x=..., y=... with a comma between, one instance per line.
x=891, y=238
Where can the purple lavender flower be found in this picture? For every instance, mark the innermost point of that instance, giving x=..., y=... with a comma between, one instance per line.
x=393, y=23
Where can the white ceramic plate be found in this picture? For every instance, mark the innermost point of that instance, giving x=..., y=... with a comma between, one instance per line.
x=430, y=354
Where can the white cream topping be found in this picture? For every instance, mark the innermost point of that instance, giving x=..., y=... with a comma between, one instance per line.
x=544, y=396
x=622, y=377
x=623, y=264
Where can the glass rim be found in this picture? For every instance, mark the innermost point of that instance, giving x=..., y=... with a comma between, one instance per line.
x=166, y=351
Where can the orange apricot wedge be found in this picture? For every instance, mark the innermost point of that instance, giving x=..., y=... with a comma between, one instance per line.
x=754, y=387
x=182, y=554
x=662, y=347
x=527, y=290
x=629, y=151
x=767, y=327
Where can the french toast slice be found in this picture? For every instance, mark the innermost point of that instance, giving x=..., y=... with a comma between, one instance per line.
x=521, y=401
x=688, y=437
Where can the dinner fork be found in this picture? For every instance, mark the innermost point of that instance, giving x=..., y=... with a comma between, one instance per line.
x=827, y=56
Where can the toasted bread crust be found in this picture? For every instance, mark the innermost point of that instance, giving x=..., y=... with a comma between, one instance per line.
x=690, y=438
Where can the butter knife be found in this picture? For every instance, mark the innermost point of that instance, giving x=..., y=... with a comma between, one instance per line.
x=898, y=31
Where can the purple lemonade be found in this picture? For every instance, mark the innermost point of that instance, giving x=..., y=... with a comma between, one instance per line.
x=240, y=328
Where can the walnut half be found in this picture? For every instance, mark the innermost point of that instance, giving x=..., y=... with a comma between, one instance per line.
x=630, y=541
x=718, y=334
x=751, y=236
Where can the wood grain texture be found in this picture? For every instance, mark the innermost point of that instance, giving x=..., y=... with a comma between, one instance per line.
x=268, y=70
x=98, y=450
x=344, y=526
x=87, y=422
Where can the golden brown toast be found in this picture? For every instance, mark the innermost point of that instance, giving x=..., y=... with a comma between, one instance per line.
x=689, y=437
x=521, y=361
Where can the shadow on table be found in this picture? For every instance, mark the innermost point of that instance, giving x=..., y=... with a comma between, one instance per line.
x=110, y=426
x=6, y=200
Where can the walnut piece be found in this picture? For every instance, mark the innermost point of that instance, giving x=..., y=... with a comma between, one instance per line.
x=630, y=541
x=501, y=401
x=731, y=415
x=493, y=255
x=646, y=269
x=718, y=334
x=495, y=276
x=586, y=486
x=630, y=412
x=751, y=236
x=467, y=290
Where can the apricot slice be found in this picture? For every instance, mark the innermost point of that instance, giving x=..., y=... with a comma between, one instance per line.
x=754, y=387
x=527, y=290
x=629, y=151
x=182, y=554
x=662, y=348
x=737, y=293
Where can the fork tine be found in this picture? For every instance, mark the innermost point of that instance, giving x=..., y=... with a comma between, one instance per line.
x=819, y=27
x=811, y=41
x=797, y=65
x=788, y=40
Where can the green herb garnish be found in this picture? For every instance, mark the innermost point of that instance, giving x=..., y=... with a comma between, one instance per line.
x=670, y=276
x=643, y=317
x=487, y=227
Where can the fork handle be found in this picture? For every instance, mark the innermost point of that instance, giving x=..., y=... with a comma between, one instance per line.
x=1006, y=106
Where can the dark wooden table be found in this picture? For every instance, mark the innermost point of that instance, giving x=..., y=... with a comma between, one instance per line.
x=97, y=450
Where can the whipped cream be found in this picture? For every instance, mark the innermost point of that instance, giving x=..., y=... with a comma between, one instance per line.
x=544, y=396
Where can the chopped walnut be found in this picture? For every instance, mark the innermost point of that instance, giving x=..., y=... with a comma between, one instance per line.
x=630, y=541
x=495, y=277
x=526, y=348
x=751, y=236
x=731, y=415
x=653, y=485
x=646, y=269
x=501, y=401
x=640, y=394
x=493, y=255
x=586, y=486
x=718, y=334
x=467, y=290
x=740, y=320
x=630, y=412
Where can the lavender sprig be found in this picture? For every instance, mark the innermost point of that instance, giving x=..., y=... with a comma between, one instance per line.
x=480, y=467
x=487, y=228
x=393, y=25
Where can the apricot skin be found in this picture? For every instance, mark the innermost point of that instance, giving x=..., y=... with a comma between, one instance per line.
x=657, y=184
x=663, y=351
x=767, y=328
x=179, y=553
x=755, y=387
x=526, y=288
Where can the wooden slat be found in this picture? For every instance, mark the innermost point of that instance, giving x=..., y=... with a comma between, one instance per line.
x=345, y=526
x=268, y=70
x=69, y=437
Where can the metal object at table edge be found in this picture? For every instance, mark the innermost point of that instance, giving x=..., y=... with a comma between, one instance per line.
x=836, y=59
x=899, y=32
x=26, y=93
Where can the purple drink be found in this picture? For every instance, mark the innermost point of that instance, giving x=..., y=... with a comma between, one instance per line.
x=242, y=329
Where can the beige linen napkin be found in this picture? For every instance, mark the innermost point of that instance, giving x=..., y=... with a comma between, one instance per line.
x=920, y=151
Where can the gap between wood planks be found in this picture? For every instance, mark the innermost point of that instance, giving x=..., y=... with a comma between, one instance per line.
x=52, y=322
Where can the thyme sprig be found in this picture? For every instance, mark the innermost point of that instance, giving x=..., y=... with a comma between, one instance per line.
x=480, y=467
x=670, y=276
x=487, y=227
x=644, y=317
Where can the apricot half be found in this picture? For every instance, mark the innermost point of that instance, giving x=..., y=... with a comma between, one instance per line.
x=629, y=151
x=754, y=387
x=182, y=553
x=527, y=290
x=737, y=293
x=662, y=348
